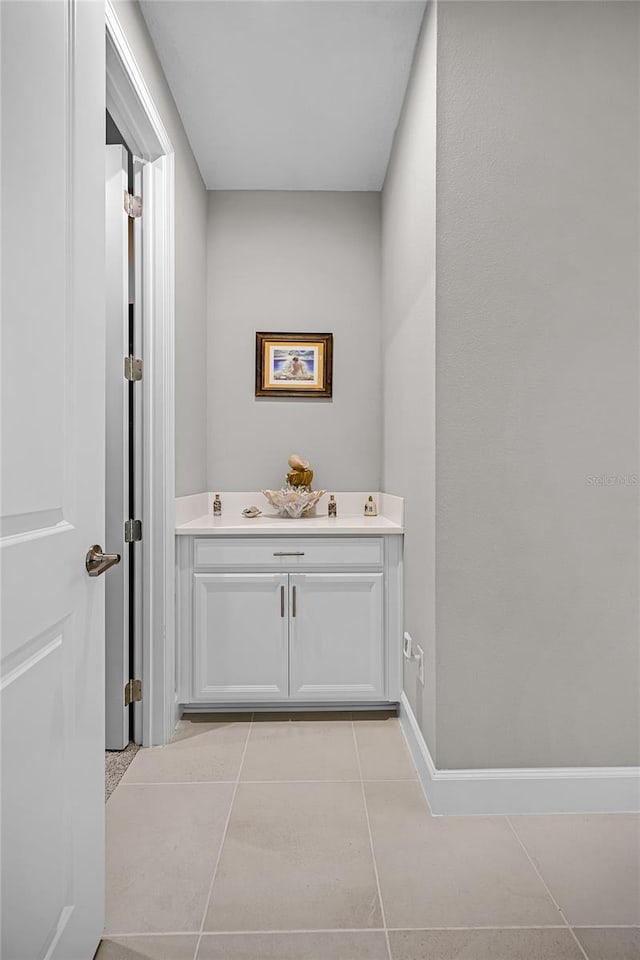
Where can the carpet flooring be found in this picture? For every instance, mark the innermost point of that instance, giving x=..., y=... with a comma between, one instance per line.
x=115, y=764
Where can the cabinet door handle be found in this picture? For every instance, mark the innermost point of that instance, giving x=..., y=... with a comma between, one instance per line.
x=282, y=601
x=294, y=596
x=295, y=553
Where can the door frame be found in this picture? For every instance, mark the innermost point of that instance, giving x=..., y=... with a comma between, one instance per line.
x=132, y=107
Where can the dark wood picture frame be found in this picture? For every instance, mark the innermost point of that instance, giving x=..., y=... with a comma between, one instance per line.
x=296, y=365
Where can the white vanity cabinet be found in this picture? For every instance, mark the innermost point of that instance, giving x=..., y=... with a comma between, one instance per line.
x=289, y=620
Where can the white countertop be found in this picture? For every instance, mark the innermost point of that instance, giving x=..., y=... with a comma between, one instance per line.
x=306, y=526
x=194, y=517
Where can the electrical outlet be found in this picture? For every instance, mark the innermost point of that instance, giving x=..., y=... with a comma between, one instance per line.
x=420, y=659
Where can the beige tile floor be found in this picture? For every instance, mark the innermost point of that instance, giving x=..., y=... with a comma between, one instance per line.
x=271, y=838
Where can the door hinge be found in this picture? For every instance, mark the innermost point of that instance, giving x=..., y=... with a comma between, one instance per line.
x=132, y=368
x=132, y=531
x=132, y=692
x=132, y=206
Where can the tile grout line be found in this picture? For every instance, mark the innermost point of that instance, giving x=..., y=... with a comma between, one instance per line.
x=405, y=929
x=606, y=926
x=506, y=926
x=373, y=855
x=546, y=887
x=250, y=933
x=176, y=783
x=195, y=783
x=151, y=933
x=222, y=840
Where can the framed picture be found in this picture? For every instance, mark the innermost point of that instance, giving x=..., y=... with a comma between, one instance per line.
x=294, y=364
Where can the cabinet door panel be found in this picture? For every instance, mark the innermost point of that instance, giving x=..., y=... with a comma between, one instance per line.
x=240, y=637
x=336, y=648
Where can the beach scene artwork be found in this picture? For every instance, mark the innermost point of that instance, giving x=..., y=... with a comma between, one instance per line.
x=295, y=364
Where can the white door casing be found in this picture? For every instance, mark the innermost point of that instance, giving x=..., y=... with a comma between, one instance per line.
x=53, y=469
x=136, y=668
x=117, y=427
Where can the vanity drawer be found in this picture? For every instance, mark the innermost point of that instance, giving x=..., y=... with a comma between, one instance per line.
x=287, y=554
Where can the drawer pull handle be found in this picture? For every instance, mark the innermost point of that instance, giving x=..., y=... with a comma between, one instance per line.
x=294, y=601
x=295, y=553
x=282, y=601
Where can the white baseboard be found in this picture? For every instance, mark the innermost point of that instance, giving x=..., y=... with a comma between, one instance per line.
x=519, y=791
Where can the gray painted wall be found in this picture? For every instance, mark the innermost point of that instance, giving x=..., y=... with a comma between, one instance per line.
x=293, y=262
x=537, y=384
x=190, y=254
x=499, y=439
x=408, y=342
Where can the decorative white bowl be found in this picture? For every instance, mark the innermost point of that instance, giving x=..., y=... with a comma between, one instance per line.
x=293, y=501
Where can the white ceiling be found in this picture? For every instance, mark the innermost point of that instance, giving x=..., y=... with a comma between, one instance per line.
x=287, y=94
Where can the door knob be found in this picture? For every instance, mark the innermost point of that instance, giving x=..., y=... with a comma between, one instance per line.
x=97, y=562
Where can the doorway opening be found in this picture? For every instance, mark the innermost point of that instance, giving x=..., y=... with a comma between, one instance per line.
x=124, y=443
x=148, y=493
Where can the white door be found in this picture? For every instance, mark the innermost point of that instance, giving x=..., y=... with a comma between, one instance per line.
x=240, y=636
x=336, y=638
x=117, y=433
x=53, y=468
